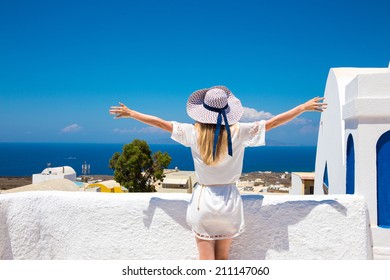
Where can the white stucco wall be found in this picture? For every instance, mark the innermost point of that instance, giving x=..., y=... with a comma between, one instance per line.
x=78, y=225
x=330, y=145
x=367, y=118
x=296, y=184
x=39, y=178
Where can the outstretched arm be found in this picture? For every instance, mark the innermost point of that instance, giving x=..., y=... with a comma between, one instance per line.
x=315, y=104
x=123, y=111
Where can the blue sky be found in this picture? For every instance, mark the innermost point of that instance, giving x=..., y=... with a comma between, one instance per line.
x=64, y=63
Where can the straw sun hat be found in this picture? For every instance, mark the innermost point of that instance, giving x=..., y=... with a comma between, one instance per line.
x=215, y=105
x=204, y=105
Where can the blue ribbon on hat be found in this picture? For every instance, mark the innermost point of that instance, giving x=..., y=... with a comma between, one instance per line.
x=221, y=113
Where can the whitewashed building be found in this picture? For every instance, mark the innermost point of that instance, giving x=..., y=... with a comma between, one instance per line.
x=353, y=150
x=178, y=181
x=63, y=172
x=302, y=183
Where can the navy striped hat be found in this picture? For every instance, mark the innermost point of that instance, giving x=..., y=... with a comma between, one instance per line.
x=216, y=105
x=199, y=103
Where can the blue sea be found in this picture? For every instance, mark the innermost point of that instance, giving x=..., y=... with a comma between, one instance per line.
x=24, y=159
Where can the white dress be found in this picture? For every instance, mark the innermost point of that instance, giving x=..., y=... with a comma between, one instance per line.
x=215, y=210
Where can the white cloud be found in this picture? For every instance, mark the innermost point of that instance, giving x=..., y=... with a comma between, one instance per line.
x=71, y=128
x=301, y=121
x=251, y=114
x=150, y=129
x=309, y=129
x=124, y=130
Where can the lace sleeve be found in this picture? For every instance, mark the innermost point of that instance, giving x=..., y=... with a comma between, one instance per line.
x=183, y=133
x=253, y=134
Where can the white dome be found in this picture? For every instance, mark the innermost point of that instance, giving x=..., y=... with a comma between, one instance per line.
x=58, y=170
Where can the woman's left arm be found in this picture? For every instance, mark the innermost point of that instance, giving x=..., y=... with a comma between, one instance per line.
x=315, y=104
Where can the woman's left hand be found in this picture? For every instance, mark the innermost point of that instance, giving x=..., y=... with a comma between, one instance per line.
x=315, y=104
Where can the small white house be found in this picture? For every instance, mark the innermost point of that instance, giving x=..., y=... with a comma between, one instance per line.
x=302, y=183
x=180, y=181
x=50, y=173
x=331, y=149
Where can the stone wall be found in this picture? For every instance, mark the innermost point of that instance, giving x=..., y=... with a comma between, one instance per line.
x=79, y=225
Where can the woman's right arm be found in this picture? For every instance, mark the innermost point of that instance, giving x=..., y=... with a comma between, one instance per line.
x=122, y=111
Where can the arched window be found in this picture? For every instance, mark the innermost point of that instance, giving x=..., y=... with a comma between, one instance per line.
x=383, y=180
x=325, y=181
x=350, y=166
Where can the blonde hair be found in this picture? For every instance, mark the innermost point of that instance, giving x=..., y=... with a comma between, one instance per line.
x=206, y=142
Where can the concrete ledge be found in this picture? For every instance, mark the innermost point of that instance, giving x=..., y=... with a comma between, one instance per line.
x=73, y=225
x=372, y=108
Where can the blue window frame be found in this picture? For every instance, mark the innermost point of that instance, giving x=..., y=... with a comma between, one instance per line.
x=350, y=166
x=383, y=180
x=325, y=181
